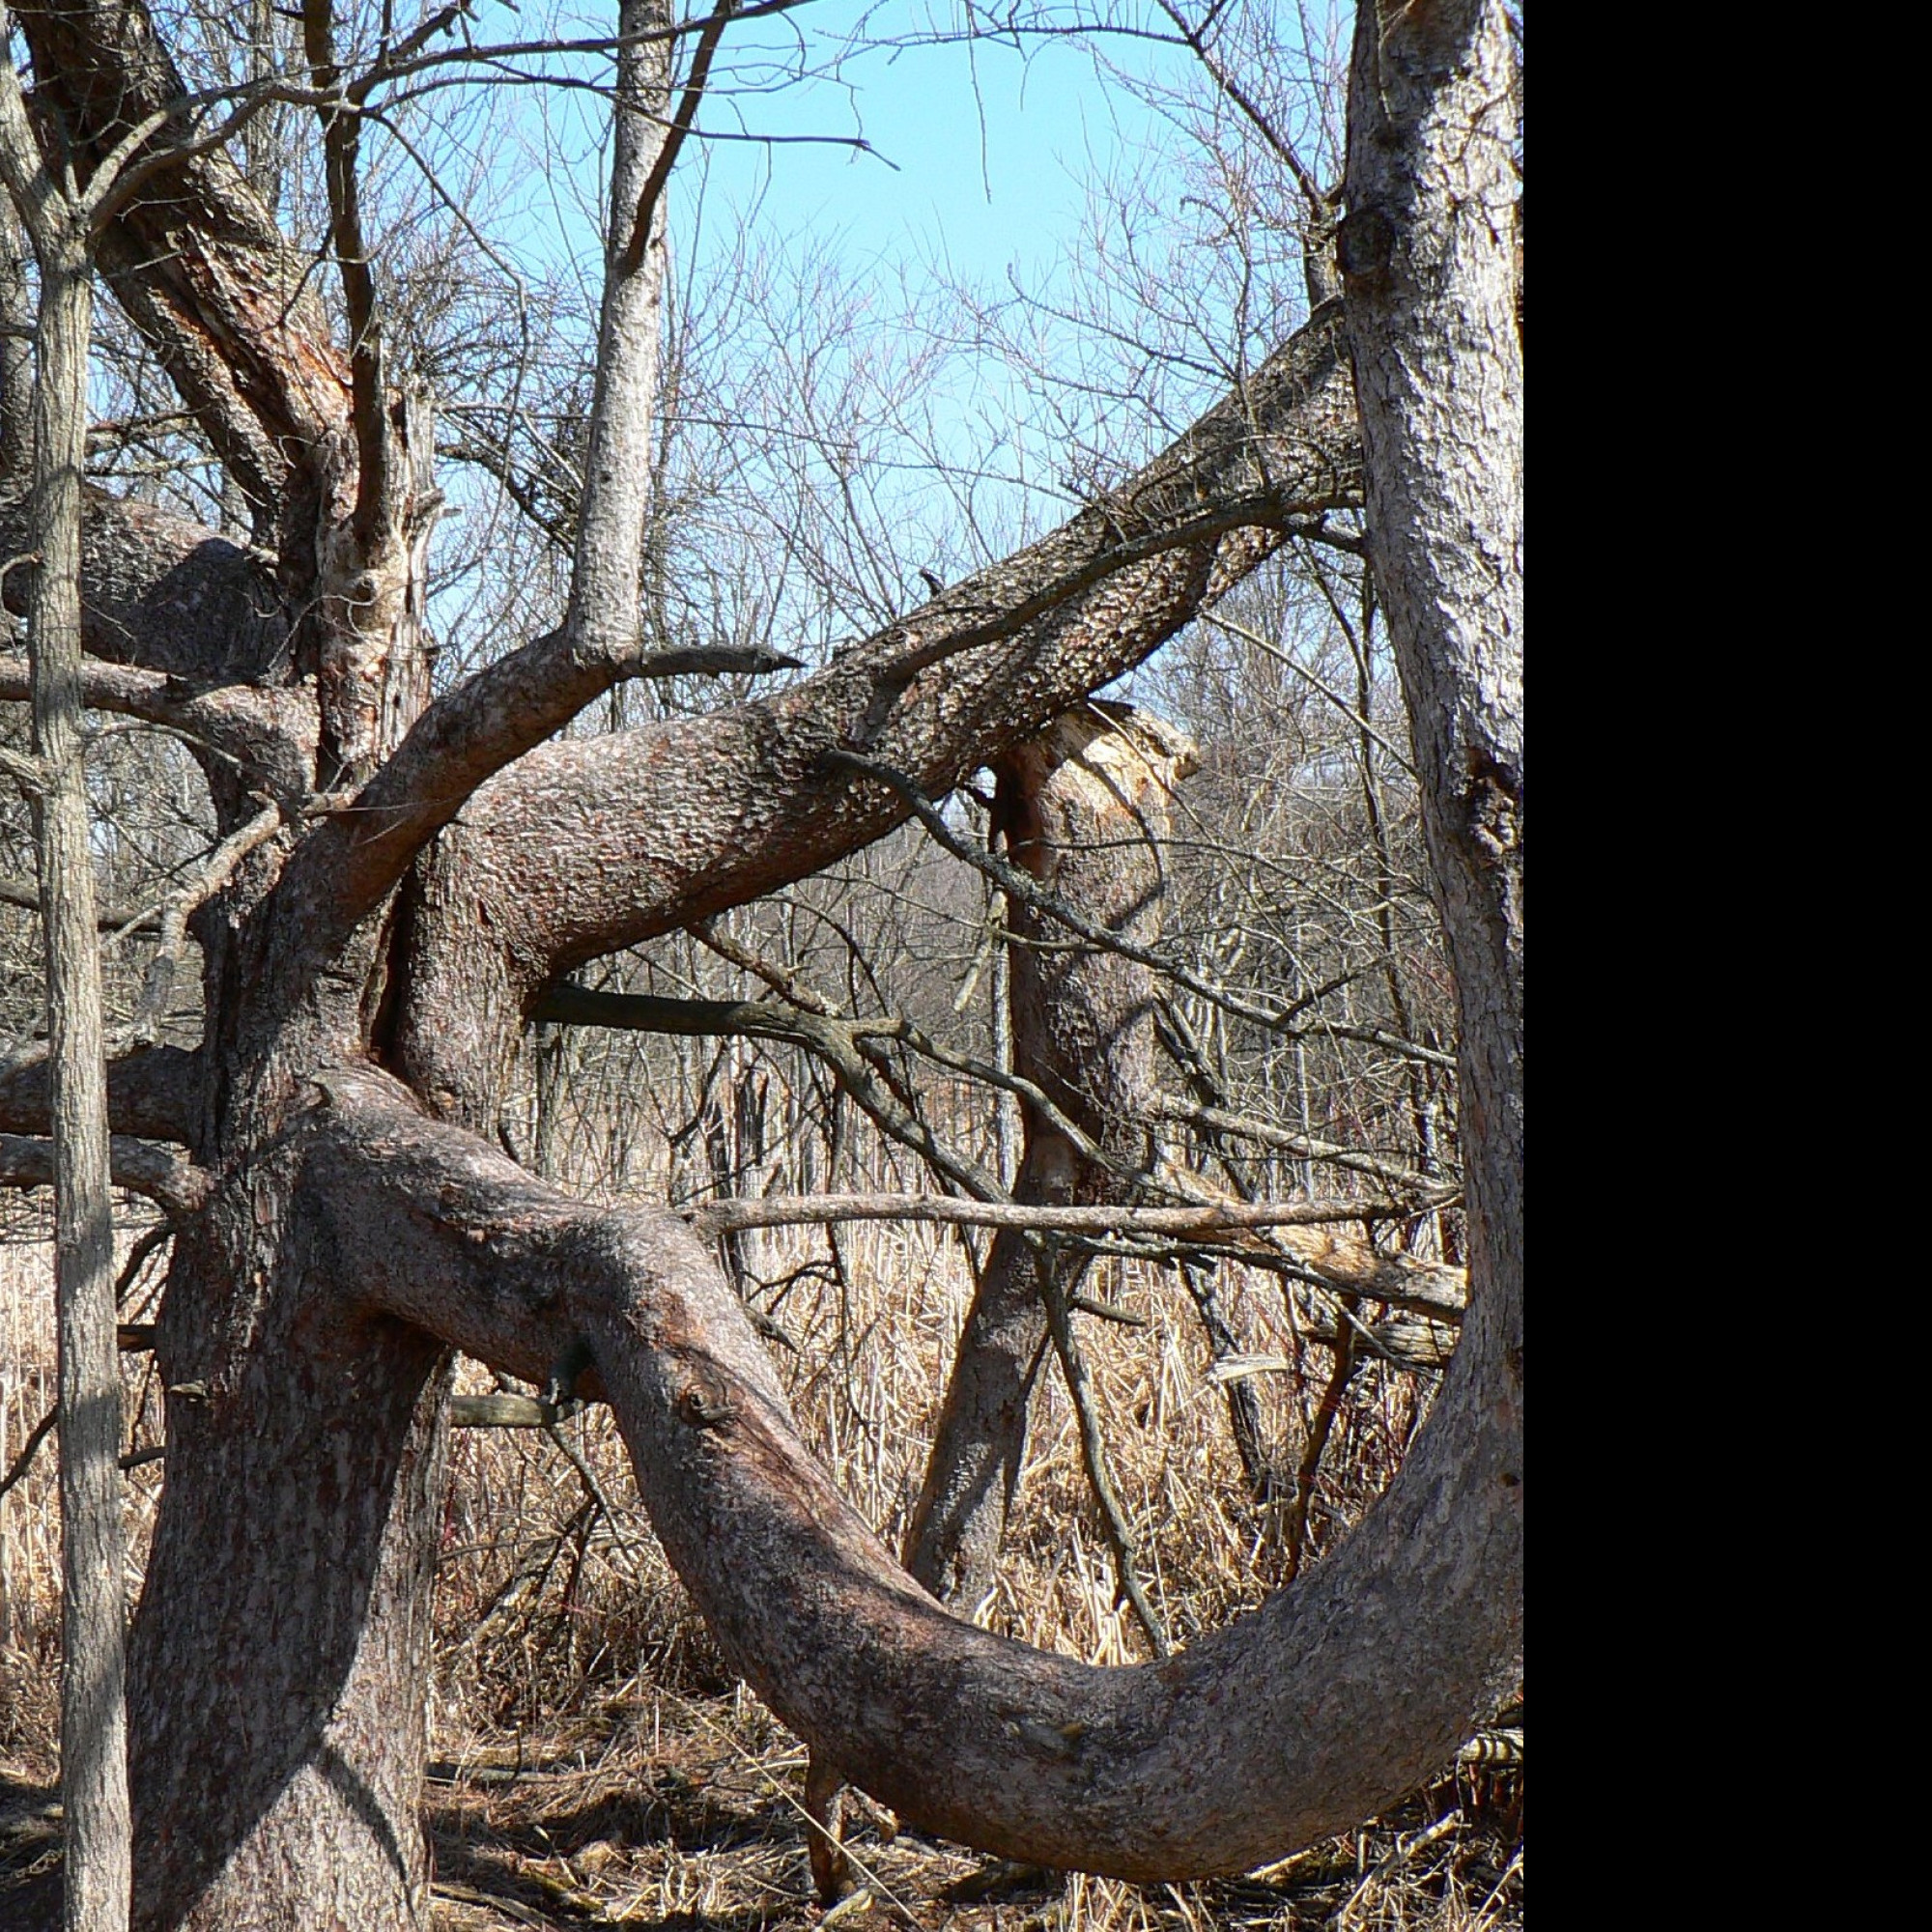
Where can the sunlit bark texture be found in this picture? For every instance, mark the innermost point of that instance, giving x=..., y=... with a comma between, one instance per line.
x=430, y=872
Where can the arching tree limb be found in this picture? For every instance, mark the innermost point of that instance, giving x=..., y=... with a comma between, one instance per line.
x=1313, y=1712
x=754, y=798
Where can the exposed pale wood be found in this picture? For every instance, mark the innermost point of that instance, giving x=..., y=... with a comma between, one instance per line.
x=1079, y=808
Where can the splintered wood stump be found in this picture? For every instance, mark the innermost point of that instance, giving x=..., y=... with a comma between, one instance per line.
x=1083, y=808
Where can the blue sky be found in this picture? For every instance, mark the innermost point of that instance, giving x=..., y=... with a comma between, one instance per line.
x=978, y=150
x=981, y=163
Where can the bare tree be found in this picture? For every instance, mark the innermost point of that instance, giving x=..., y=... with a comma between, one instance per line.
x=431, y=869
x=94, y=1741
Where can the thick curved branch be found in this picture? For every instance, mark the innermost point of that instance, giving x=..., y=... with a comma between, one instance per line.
x=1317, y=1710
x=753, y=798
x=152, y=1093
x=268, y=735
x=461, y=740
x=161, y=592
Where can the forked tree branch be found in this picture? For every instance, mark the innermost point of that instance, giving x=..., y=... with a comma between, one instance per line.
x=245, y=344
x=756, y=799
x=376, y=458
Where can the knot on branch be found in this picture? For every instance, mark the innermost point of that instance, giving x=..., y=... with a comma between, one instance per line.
x=1364, y=243
x=706, y=1403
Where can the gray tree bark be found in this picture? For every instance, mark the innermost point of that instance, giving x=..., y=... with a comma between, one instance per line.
x=94, y=1542
x=1429, y=260
x=358, y=1227
x=93, y=1734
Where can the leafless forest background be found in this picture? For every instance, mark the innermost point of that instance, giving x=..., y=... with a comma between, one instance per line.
x=595, y=1763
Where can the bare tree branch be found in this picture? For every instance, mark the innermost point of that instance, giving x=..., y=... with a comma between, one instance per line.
x=1282, y=447
x=150, y=1094
x=1219, y=1218
x=268, y=734
x=142, y=1167
x=1012, y=880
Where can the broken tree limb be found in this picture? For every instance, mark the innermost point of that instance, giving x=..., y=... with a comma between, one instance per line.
x=504, y=1411
x=1081, y=805
x=1029, y=893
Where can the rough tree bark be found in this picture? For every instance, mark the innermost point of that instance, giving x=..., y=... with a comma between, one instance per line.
x=358, y=1224
x=1430, y=267
x=1083, y=808
x=94, y=1717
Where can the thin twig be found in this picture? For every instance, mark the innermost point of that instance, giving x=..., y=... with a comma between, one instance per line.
x=1093, y=1444
x=1019, y=885
x=1319, y=1429
x=201, y=885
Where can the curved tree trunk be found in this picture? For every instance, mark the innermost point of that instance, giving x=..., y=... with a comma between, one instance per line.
x=354, y=1231
x=1429, y=266
x=1333, y=1699
x=1083, y=808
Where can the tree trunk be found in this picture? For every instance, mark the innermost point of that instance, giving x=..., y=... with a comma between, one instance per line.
x=281, y=1655
x=17, y=388
x=355, y=1231
x=307, y=1432
x=94, y=1740
x=1428, y=255
x=1083, y=808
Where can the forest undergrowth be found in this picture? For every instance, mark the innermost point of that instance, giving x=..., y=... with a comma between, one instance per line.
x=593, y=1761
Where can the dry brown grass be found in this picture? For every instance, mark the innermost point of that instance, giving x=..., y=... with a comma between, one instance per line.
x=594, y=1763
